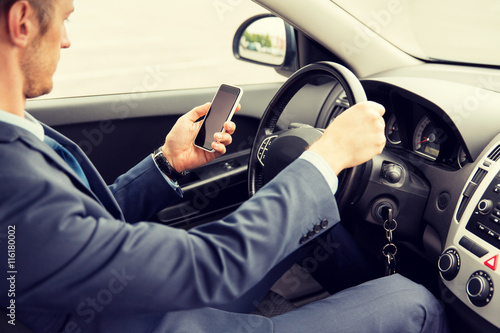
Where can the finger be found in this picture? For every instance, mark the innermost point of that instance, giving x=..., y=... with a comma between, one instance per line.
x=377, y=107
x=238, y=108
x=198, y=112
x=223, y=138
x=382, y=121
x=219, y=148
x=230, y=127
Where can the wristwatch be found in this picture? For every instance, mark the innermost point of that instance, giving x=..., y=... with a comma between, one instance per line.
x=165, y=166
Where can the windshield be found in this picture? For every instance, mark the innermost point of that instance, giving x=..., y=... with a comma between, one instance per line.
x=437, y=30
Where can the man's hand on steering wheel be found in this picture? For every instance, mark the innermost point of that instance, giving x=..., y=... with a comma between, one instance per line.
x=354, y=137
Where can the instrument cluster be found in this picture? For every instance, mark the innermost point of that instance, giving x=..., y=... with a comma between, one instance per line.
x=418, y=128
x=423, y=134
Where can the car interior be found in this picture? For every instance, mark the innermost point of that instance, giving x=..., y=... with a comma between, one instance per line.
x=438, y=176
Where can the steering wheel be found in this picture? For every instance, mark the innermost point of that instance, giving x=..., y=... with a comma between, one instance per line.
x=272, y=152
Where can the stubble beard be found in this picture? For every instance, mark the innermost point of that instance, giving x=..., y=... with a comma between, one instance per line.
x=34, y=71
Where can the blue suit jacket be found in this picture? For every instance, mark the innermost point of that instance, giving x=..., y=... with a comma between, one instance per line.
x=80, y=265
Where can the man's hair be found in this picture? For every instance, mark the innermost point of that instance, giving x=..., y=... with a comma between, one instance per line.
x=43, y=9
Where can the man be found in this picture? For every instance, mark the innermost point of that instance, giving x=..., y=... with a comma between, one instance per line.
x=80, y=268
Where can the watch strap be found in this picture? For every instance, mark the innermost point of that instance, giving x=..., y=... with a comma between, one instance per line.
x=165, y=166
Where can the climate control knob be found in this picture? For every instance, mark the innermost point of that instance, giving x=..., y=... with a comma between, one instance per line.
x=480, y=288
x=449, y=264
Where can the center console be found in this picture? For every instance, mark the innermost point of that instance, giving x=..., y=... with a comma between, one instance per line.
x=469, y=266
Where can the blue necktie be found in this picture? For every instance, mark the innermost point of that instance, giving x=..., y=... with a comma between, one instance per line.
x=68, y=158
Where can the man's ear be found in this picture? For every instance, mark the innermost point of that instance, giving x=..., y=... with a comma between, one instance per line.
x=21, y=23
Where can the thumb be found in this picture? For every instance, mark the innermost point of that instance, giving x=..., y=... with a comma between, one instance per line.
x=198, y=112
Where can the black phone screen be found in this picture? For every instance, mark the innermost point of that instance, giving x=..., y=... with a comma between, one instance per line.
x=222, y=107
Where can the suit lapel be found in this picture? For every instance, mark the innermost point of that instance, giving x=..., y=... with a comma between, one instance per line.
x=99, y=190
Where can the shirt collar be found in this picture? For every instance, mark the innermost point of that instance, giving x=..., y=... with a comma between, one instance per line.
x=28, y=123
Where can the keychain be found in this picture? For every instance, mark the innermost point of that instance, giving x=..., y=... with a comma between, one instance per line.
x=390, y=249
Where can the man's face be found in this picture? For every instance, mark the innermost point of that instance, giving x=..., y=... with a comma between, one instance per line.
x=41, y=57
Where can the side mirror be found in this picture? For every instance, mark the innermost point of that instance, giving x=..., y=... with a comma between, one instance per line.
x=266, y=40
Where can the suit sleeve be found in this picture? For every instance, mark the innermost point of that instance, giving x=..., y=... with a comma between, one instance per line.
x=68, y=257
x=143, y=191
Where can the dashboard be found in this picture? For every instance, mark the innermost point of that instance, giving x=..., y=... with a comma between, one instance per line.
x=449, y=133
x=440, y=174
x=443, y=136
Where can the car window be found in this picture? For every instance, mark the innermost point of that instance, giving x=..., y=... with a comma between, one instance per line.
x=121, y=46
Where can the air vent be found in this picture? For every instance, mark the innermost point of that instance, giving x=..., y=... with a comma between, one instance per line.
x=470, y=190
x=337, y=110
x=479, y=176
x=495, y=154
x=342, y=100
x=340, y=105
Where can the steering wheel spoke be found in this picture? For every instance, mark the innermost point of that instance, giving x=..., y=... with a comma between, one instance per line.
x=264, y=147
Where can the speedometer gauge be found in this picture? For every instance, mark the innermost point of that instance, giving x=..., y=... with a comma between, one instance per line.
x=425, y=139
x=392, y=131
x=461, y=157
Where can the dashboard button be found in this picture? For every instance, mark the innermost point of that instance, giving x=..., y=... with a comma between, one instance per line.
x=492, y=262
x=469, y=191
x=474, y=248
x=444, y=200
x=478, y=251
x=485, y=206
x=494, y=219
x=393, y=173
x=466, y=243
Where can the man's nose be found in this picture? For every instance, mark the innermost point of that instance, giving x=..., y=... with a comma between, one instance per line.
x=65, y=42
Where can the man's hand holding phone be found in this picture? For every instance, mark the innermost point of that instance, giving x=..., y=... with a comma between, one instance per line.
x=223, y=106
x=179, y=148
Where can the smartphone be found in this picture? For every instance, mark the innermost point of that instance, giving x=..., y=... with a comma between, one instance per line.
x=222, y=109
